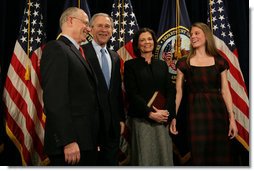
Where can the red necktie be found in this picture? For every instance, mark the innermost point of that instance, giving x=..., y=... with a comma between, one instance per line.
x=82, y=52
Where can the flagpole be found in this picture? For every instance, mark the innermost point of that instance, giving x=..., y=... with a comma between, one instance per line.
x=122, y=14
x=27, y=73
x=119, y=26
x=178, y=17
x=210, y=15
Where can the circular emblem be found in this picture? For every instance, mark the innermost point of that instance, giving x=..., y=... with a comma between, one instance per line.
x=175, y=42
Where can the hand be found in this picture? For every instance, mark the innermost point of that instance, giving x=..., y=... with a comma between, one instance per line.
x=159, y=116
x=122, y=126
x=233, y=131
x=172, y=127
x=72, y=153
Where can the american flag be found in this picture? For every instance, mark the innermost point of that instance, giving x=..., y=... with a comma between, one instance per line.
x=218, y=20
x=125, y=25
x=22, y=94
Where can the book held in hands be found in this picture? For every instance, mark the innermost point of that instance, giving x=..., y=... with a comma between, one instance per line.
x=157, y=100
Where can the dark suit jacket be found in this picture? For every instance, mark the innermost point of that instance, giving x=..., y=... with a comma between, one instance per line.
x=70, y=98
x=111, y=99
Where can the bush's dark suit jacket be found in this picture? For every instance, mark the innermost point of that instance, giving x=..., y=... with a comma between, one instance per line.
x=111, y=100
x=70, y=98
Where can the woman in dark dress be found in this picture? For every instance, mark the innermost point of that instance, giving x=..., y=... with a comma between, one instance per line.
x=211, y=118
x=151, y=144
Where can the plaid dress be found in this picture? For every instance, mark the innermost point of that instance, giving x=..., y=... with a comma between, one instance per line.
x=208, y=119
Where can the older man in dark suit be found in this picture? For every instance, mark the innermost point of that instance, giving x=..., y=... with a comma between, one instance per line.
x=70, y=95
x=106, y=65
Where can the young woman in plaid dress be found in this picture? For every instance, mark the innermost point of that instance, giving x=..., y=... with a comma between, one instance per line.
x=211, y=118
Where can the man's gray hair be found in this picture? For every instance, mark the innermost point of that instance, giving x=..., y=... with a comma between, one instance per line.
x=68, y=12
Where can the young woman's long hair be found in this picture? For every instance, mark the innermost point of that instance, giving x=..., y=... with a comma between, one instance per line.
x=210, y=46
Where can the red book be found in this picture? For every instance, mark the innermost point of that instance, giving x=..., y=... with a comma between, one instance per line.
x=157, y=100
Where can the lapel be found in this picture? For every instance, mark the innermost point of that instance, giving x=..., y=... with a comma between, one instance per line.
x=76, y=52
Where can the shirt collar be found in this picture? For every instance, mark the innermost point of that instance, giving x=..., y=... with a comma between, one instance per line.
x=98, y=47
x=72, y=40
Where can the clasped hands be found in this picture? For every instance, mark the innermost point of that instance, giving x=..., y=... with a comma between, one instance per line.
x=158, y=115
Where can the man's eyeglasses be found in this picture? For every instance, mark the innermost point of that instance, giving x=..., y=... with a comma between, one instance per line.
x=82, y=21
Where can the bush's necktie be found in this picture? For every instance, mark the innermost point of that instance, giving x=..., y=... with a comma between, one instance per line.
x=105, y=67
